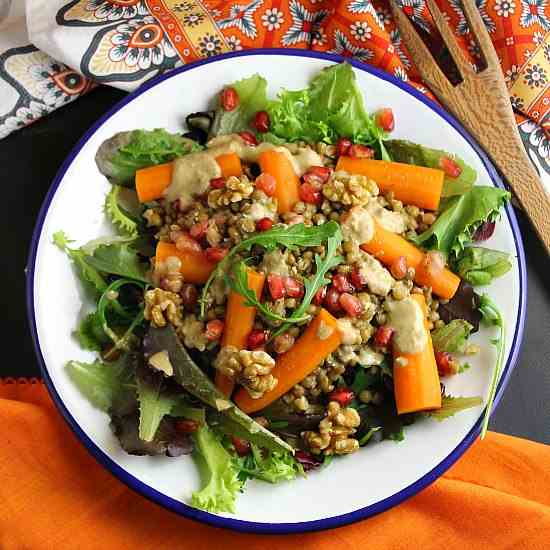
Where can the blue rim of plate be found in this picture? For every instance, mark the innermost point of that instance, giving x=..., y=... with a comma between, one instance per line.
x=251, y=526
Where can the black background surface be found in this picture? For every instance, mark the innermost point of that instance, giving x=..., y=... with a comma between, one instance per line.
x=29, y=160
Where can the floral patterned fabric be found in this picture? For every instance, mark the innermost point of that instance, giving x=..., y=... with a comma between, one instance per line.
x=125, y=42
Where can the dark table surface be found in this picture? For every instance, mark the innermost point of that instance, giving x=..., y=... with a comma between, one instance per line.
x=30, y=159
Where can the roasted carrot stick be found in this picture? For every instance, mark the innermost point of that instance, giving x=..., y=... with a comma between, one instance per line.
x=388, y=247
x=195, y=267
x=230, y=165
x=416, y=384
x=152, y=181
x=287, y=191
x=239, y=321
x=411, y=184
x=319, y=339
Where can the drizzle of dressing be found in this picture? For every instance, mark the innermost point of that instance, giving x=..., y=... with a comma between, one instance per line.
x=407, y=319
x=389, y=220
x=357, y=226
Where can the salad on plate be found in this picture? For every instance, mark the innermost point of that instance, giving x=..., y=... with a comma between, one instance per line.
x=287, y=284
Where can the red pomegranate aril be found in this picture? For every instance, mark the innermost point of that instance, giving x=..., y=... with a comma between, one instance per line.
x=360, y=152
x=342, y=283
x=351, y=304
x=255, y=339
x=358, y=280
x=198, y=230
x=261, y=122
x=445, y=364
x=249, y=138
x=217, y=183
x=265, y=224
x=450, y=167
x=399, y=268
x=186, y=243
x=214, y=330
x=216, y=253
x=320, y=295
x=317, y=175
x=385, y=119
x=332, y=300
x=186, y=426
x=294, y=288
x=266, y=183
x=229, y=99
x=242, y=446
x=383, y=336
x=189, y=296
x=343, y=396
x=309, y=194
x=342, y=146
x=276, y=285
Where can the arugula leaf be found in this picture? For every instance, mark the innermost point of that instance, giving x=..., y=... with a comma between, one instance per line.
x=462, y=215
x=452, y=337
x=452, y=405
x=101, y=383
x=479, y=266
x=289, y=237
x=315, y=282
x=491, y=316
x=252, y=92
x=118, y=216
x=413, y=153
x=221, y=484
x=119, y=157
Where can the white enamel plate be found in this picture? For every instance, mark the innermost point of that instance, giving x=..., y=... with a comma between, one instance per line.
x=366, y=482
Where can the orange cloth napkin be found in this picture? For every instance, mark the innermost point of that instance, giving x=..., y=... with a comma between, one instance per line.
x=54, y=496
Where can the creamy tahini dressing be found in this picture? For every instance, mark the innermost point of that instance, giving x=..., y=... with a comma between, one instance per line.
x=407, y=320
x=377, y=277
x=358, y=226
x=192, y=173
x=390, y=221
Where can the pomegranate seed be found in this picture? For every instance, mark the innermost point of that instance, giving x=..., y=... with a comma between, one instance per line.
x=229, y=99
x=308, y=462
x=186, y=243
x=383, y=336
x=445, y=364
x=294, y=288
x=320, y=295
x=261, y=122
x=341, y=283
x=450, y=167
x=283, y=342
x=189, y=296
x=198, y=230
x=215, y=253
x=265, y=224
x=343, y=396
x=358, y=280
x=360, y=152
x=276, y=286
x=332, y=300
x=342, y=146
x=266, y=183
x=186, y=426
x=385, y=120
x=399, y=267
x=214, y=330
x=242, y=446
x=317, y=175
x=309, y=194
x=255, y=339
x=217, y=183
x=351, y=304
x=249, y=138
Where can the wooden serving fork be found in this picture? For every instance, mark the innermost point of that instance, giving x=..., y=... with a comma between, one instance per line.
x=481, y=103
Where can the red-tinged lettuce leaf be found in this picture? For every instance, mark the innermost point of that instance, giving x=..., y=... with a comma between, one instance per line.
x=463, y=305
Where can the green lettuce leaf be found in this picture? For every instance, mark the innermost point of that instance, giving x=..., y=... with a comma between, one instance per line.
x=252, y=93
x=452, y=405
x=460, y=218
x=120, y=218
x=102, y=383
x=479, y=266
x=413, y=153
x=219, y=473
x=90, y=333
x=268, y=466
x=452, y=337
